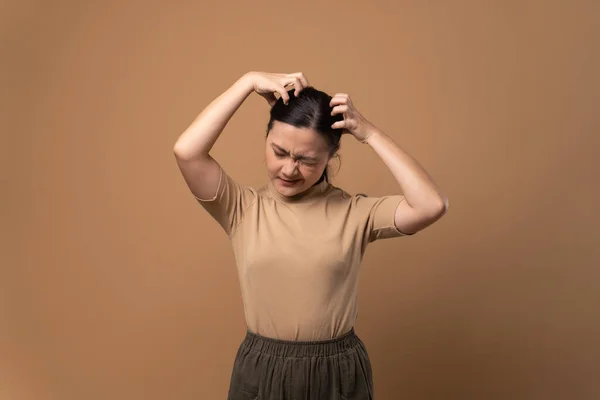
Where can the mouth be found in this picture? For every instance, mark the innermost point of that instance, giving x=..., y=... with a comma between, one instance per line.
x=289, y=183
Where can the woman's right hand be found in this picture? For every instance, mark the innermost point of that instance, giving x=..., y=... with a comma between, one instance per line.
x=267, y=84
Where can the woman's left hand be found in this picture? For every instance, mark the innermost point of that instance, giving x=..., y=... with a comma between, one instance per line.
x=354, y=123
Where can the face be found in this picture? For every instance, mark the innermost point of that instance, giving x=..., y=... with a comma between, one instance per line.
x=295, y=157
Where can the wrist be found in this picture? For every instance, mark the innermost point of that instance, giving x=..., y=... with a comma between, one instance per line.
x=369, y=131
x=246, y=82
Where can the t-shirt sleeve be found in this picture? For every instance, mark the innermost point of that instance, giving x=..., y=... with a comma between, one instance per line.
x=379, y=216
x=230, y=202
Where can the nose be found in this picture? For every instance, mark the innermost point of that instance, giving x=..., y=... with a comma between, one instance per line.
x=289, y=169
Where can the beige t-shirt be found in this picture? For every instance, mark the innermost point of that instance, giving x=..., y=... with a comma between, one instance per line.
x=298, y=258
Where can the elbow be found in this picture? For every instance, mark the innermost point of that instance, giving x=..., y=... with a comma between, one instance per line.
x=438, y=208
x=445, y=205
x=182, y=153
x=179, y=150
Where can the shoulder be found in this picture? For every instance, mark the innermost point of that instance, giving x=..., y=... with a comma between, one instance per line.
x=340, y=193
x=360, y=201
x=263, y=192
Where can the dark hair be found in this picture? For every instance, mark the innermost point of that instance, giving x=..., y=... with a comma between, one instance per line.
x=309, y=110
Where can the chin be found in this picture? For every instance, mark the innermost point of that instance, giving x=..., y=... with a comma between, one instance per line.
x=290, y=190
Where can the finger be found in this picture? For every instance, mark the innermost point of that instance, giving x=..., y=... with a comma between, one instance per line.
x=339, y=125
x=288, y=82
x=339, y=109
x=284, y=94
x=295, y=82
x=338, y=99
x=299, y=86
x=302, y=78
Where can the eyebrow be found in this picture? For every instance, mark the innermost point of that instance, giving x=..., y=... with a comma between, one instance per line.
x=301, y=156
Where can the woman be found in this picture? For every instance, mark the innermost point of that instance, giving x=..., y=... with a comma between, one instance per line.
x=298, y=240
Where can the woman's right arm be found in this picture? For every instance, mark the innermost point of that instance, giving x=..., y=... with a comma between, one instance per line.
x=200, y=171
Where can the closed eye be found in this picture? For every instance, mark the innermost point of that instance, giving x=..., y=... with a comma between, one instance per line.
x=304, y=161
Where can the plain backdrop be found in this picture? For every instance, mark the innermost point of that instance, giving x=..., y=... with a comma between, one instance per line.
x=116, y=284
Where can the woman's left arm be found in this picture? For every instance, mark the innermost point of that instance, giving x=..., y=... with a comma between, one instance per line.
x=424, y=203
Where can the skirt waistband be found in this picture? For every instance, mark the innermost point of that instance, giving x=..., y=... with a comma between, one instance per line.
x=291, y=348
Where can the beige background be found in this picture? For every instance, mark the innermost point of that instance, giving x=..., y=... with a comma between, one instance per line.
x=115, y=284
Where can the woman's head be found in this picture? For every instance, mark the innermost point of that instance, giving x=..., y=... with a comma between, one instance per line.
x=300, y=141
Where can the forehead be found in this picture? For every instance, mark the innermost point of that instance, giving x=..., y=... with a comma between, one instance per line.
x=297, y=140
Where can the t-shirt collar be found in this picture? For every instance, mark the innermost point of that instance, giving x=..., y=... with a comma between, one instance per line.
x=308, y=194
